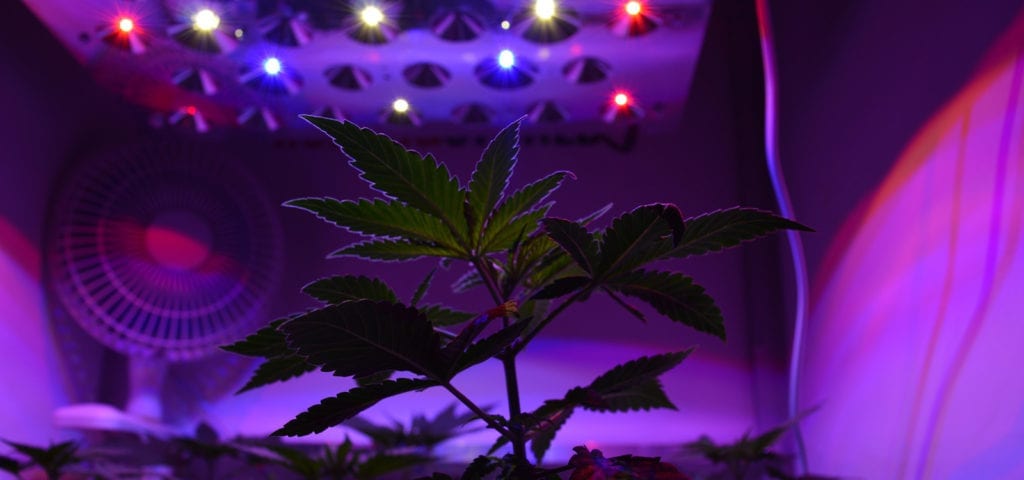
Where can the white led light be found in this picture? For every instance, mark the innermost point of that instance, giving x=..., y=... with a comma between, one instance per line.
x=505, y=24
x=544, y=9
x=621, y=99
x=205, y=20
x=372, y=16
x=506, y=59
x=400, y=105
x=633, y=8
x=126, y=25
x=272, y=66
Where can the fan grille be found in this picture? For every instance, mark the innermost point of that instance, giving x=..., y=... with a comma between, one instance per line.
x=163, y=250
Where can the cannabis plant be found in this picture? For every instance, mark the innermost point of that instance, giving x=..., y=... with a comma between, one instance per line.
x=532, y=266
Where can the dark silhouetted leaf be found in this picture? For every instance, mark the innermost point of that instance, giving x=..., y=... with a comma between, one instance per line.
x=487, y=347
x=266, y=342
x=560, y=287
x=364, y=337
x=297, y=461
x=53, y=459
x=490, y=178
x=391, y=250
x=644, y=395
x=454, y=349
x=480, y=467
x=334, y=410
x=635, y=371
x=574, y=239
x=592, y=465
x=373, y=378
x=9, y=464
x=421, y=290
x=544, y=433
x=626, y=305
x=638, y=237
x=441, y=316
x=521, y=202
x=675, y=296
x=380, y=218
x=714, y=231
x=346, y=288
x=278, y=369
x=402, y=174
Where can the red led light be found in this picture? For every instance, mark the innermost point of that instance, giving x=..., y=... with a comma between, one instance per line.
x=190, y=110
x=125, y=25
x=621, y=99
x=633, y=8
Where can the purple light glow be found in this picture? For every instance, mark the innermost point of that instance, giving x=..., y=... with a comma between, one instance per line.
x=916, y=331
x=25, y=335
x=551, y=367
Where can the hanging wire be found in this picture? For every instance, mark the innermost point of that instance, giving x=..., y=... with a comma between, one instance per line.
x=796, y=247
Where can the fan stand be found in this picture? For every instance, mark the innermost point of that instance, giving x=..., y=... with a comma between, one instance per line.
x=143, y=413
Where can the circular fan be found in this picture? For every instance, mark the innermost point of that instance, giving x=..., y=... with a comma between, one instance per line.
x=162, y=252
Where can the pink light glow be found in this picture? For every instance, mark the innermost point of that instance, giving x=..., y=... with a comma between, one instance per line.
x=916, y=331
x=179, y=240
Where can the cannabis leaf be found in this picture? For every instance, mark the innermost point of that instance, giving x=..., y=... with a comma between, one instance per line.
x=418, y=181
x=720, y=229
x=363, y=337
x=334, y=410
x=344, y=288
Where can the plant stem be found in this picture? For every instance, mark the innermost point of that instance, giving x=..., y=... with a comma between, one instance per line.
x=515, y=410
x=477, y=410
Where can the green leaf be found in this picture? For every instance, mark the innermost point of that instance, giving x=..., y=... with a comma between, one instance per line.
x=633, y=385
x=574, y=239
x=419, y=181
x=487, y=348
x=421, y=290
x=277, y=369
x=638, y=237
x=490, y=178
x=379, y=218
x=344, y=288
x=675, y=296
x=364, y=337
x=560, y=287
x=520, y=202
x=541, y=259
x=391, y=250
x=384, y=463
x=334, y=410
x=721, y=229
x=266, y=342
x=515, y=231
x=441, y=316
